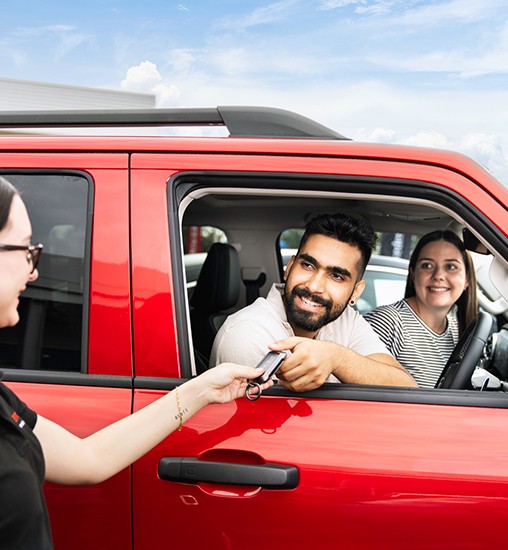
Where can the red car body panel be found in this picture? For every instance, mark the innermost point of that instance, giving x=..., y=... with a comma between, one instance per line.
x=398, y=467
x=372, y=474
x=85, y=516
x=492, y=206
x=109, y=351
x=151, y=262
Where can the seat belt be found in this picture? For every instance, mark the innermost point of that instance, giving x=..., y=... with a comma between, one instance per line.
x=253, y=278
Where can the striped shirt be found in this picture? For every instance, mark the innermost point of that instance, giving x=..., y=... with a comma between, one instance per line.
x=418, y=348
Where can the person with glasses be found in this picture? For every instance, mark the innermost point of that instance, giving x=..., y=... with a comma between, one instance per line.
x=33, y=252
x=33, y=448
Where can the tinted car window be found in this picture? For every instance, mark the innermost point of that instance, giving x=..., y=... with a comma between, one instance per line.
x=50, y=332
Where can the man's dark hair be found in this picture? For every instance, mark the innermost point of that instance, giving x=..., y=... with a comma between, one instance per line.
x=347, y=229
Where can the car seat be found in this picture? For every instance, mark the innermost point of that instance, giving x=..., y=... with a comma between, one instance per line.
x=217, y=290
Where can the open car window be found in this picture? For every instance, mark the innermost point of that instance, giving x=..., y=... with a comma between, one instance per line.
x=255, y=220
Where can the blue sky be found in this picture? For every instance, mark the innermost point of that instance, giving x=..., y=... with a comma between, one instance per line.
x=431, y=72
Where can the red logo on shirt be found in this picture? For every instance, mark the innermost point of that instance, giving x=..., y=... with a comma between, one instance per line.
x=17, y=419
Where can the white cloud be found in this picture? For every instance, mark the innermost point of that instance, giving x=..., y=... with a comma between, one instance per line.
x=165, y=93
x=367, y=7
x=336, y=4
x=379, y=7
x=260, y=16
x=141, y=77
x=145, y=78
x=183, y=59
x=445, y=12
x=461, y=61
x=485, y=149
x=65, y=38
x=429, y=139
x=378, y=135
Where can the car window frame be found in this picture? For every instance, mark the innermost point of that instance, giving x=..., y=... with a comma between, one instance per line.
x=57, y=376
x=186, y=186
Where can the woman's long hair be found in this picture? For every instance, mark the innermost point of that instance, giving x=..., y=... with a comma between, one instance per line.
x=467, y=304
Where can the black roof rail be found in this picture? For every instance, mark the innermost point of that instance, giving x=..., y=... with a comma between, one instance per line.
x=240, y=121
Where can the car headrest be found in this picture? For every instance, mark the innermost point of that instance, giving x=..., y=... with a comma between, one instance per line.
x=218, y=284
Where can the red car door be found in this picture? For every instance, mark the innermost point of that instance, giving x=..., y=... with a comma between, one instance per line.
x=350, y=467
x=79, y=309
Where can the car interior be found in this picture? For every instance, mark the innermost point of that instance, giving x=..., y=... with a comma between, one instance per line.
x=249, y=254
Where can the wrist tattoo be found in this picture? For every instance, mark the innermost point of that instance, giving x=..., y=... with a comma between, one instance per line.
x=181, y=412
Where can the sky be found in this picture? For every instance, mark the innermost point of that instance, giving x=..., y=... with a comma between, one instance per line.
x=420, y=72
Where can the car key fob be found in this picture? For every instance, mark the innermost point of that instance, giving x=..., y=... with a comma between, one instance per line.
x=270, y=364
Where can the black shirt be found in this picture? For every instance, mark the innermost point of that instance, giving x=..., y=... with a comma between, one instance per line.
x=24, y=522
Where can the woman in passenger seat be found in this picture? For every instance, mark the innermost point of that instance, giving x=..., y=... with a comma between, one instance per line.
x=33, y=448
x=440, y=300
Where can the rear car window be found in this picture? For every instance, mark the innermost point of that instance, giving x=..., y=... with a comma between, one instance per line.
x=50, y=335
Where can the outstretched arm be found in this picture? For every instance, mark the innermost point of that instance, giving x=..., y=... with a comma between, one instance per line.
x=72, y=460
x=312, y=361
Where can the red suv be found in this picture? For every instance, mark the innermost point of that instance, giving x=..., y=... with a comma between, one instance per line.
x=119, y=316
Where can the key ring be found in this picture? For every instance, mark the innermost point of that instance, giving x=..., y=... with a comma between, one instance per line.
x=256, y=396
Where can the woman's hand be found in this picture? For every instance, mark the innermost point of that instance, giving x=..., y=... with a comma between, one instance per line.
x=227, y=381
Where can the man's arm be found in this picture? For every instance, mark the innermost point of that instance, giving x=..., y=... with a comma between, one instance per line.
x=312, y=361
x=244, y=341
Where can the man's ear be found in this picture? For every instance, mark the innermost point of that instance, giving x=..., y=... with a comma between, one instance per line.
x=289, y=266
x=359, y=288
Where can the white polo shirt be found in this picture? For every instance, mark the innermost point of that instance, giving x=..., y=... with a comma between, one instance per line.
x=245, y=336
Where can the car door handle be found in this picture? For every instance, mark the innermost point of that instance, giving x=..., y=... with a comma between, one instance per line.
x=192, y=470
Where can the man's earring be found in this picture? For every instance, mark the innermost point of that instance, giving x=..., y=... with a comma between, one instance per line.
x=352, y=302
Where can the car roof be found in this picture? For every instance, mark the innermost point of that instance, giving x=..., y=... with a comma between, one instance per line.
x=252, y=130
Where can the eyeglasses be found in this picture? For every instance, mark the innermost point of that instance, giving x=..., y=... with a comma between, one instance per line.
x=33, y=252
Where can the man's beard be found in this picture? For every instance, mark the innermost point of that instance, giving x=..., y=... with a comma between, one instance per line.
x=305, y=320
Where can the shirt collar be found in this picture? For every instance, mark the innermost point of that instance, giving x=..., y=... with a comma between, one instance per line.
x=274, y=297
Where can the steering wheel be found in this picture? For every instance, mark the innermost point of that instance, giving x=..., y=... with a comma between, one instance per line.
x=460, y=366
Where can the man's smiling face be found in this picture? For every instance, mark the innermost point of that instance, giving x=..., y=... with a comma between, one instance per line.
x=320, y=282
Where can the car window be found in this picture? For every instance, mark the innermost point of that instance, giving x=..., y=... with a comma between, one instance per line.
x=266, y=230
x=49, y=335
x=383, y=284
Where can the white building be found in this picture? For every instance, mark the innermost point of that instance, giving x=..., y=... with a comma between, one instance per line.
x=26, y=95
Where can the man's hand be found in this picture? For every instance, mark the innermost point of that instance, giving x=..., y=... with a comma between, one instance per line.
x=309, y=365
x=312, y=361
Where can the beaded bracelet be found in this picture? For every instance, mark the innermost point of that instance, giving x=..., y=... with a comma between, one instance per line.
x=181, y=411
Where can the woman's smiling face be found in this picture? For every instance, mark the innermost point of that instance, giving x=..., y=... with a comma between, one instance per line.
x=439, y=275
x=15, y=270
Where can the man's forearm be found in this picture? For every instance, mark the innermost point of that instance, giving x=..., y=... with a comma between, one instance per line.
x=378, y=369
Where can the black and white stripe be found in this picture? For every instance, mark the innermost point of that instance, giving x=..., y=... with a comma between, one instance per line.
x=419, y=349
